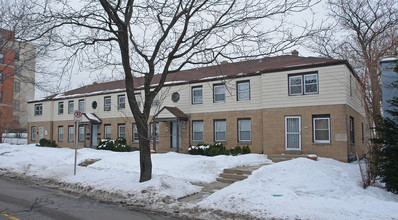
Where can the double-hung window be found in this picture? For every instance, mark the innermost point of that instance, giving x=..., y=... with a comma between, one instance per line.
x=121, y=130
x=16, y=105
x=220, y=130
x=303, y=84
x=197, y=95
x=71, y=133
x=107, y=103
x=321, y=128
x=60, y=133
x=121, y=102
x=243, y=90
x=33, y=133
x=81, y=133
x=71, y=106
x=135, y=133
x=38, y=109
x=17, y=87
x=244, y=130
x=60, y=108
x=197, y=127
x=138, y=99
x=81, y=105
x=156, y=131
x=219, y=93
x=107, y=131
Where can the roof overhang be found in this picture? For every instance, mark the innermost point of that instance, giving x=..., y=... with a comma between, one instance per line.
x=170, y=114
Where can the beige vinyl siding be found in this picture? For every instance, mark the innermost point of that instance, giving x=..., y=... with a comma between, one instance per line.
x=47, y=112
x=275, y=92
x=354, y=98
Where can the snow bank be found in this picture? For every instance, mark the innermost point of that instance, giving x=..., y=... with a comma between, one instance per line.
x=305, y=189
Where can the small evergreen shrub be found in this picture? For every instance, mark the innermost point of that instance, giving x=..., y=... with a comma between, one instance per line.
x=198, y=149
x=236, y=150
x=47, y=143
x=118, y=145
x=246, y=150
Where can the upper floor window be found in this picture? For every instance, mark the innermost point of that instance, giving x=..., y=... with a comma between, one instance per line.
x=121, y=130
x=303, y=84
x=197, y=127
x=17, y=104
x=243, y=90
x=321, y=128
x=107, y=103
x=71, y=106
x=138, y=99
x=38, y=109
x=107, y=131
x=60, y=108
x=244, y=129
x=121, y=102
x=1, y=78
x=16, y=54
x=219, y=93
x=156, y=101
x=17, y=87
x=17, y=70
x=220, y=130
x=81, y=105
x=197, y=95
x=1, y=58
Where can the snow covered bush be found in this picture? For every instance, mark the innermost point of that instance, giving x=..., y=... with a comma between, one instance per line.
x=47, y=143
x=118, y=144
x=217, y=149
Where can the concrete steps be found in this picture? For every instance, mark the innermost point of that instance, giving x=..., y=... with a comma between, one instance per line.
x=226, y=178
x=284, y=157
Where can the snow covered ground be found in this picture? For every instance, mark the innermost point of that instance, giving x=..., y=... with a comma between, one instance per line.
x=300, y=188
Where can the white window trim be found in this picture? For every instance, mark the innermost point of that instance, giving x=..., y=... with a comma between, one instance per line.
x=215, y=132
x=71, y=107
x=196, y=88
x=119, y=126
x=59, y=133
x=135, y=131
x=107, y=107
x=313, y=129
x=119, y=102
x=304, y=84
x=237, y=90
x=71, y=135
x=239, y=130
x=110, y=131
x=193, y=131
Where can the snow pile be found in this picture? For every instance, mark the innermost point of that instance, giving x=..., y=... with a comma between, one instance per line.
x=300, y=188
x=305, y=189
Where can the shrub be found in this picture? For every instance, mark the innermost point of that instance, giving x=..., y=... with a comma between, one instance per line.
x=246, y=150
x=198, y=149
x=236, y=150
x=118, y=144
x=47, y=143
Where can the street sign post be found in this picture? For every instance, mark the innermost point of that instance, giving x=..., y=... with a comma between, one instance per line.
x=77, y=117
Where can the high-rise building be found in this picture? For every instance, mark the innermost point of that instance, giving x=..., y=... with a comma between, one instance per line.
x=17, y=80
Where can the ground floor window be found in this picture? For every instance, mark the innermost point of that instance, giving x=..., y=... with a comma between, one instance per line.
x=60, y=133
x=33, y=133
x=71, y=133
x=220, y=130
x=156, y=131
x=107, y=131
x=321, y=128
x=81, y=133
x=244, y=129
x=352, y=132
x=197, y=127
x=135, y=133
x=121, y=130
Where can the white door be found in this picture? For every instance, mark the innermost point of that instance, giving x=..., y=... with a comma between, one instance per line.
x=293, y=133
x=94, y=131
x=41, y=132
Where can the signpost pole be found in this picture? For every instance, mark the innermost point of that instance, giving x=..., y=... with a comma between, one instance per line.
x=76, y=136
x=77, y=116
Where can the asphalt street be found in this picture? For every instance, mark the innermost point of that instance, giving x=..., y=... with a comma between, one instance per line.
x=22, y=201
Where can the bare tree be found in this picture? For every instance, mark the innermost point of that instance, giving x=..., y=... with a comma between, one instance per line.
x=364, y=32
x=144, y=38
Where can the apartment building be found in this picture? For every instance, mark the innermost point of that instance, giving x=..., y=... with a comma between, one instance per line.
x=17, y=79
x=275, y=105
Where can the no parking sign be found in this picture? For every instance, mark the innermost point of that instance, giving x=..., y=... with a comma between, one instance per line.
x=77, y=116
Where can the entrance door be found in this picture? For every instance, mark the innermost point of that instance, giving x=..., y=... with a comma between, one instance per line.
x=293, y=133
x=41, y=132
x=94, y=131
x=174, y=135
